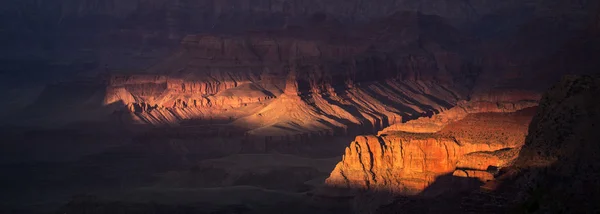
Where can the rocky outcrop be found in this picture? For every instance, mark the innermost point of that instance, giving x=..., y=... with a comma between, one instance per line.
x=153, y=85
x=557, y=168
x=408, y=163
x=432, y=123
x=565, y=110
x=358, y=80
x=406, y=166
x=359, y=110
x=282, y=83
x=332, y=84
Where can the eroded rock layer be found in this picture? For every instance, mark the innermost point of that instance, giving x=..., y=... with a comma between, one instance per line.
x=286, y=83
x=408, y=163
x=292, y=81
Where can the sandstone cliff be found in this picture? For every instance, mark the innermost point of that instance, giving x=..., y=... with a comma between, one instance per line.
x=408, y=163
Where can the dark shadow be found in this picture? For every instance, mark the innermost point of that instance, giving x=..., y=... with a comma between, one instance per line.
x=405, y=110
x=339, y=120
x=447, y=194
x=365, y=126
x=449, y=184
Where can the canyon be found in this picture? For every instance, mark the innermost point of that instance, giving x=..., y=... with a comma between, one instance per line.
x=409, y=161
x=297, y=106
x=546, y=174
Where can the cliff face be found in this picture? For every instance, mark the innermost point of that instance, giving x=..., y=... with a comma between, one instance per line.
x=408, y=163
x=333, y=82
x=327, y=82
x=557, y=168
x=433, y=123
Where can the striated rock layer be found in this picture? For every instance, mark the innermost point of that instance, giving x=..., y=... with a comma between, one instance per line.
x=283, y=84
x=408, y=163
x=434, y=123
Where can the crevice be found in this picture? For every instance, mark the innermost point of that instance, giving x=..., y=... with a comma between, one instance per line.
x=447, y=153
x=372, y=161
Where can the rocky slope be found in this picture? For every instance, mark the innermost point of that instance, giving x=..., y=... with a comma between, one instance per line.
x=559, y=161
x=209, y=74
x=555, y=172
x=433, y=123
x=407, y=163
x=287, y=82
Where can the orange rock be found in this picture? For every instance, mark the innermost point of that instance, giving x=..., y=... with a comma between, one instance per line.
x=439, y=121
x=409, y=162
x=400, y=162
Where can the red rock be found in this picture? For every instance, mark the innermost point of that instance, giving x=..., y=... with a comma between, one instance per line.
x=408, y=162
x=439, y=121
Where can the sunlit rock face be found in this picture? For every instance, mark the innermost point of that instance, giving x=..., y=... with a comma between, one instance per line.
x=432, y=123
x=407, y=163
x=359, y=82
x=283, y=84
x=313, y=81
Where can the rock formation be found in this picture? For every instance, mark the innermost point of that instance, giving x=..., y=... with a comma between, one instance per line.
x=282, y=83
x=556, y=170
x=408, y=163
x=437, y=122
x=339, y=83
x=559, y=162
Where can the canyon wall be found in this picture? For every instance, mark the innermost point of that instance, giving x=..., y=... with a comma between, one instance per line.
x=433, y=123
x=328, y=82
x=281, y=83
x=287, y=82
x=409, y=161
